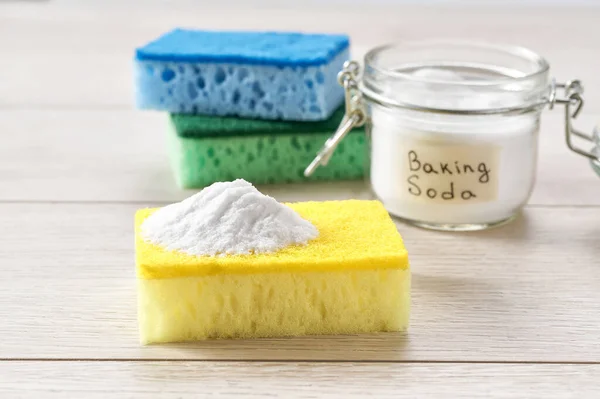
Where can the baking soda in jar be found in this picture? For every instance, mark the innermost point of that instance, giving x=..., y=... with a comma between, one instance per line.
x=447, y=173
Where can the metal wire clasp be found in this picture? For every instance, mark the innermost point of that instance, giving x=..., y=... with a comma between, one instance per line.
x=355, y=115
x=573, y=102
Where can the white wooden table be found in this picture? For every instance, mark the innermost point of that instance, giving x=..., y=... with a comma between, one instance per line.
x=511, y=312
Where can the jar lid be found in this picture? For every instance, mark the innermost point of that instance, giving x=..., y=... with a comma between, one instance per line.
x=456, y=76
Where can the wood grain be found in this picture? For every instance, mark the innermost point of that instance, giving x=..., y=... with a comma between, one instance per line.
x=524, y=292
x=296, y=380
x=120, y=155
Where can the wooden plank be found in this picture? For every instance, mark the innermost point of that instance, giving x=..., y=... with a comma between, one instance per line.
x=295, y=380
x=524, y=292
x=120, y=155
x=49, y=66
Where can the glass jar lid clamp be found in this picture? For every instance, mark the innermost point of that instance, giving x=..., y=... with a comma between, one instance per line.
x=355, y=114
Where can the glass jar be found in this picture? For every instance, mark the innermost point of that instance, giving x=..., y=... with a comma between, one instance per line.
x=452, y=129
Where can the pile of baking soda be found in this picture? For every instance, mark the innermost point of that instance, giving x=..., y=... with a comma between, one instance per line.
x=226, y=219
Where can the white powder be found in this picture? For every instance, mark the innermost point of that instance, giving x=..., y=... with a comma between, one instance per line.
x=227, y=218
x=438, y=75
x=506, y=144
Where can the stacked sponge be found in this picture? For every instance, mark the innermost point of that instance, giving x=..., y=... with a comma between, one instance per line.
x=252, y=105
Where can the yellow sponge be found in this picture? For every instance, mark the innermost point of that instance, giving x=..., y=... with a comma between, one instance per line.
x=353, y=278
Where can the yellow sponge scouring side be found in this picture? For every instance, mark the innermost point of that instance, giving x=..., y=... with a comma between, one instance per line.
x=353, y=278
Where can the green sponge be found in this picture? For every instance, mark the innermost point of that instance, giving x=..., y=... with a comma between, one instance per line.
x=210, y=126
x=205, y=149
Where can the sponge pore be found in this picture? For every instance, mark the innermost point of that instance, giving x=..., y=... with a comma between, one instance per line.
x=287, y=76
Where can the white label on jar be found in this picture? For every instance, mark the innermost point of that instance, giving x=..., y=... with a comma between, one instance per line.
x=450, y=173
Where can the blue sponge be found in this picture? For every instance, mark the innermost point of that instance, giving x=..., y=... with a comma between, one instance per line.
x=267, y=75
